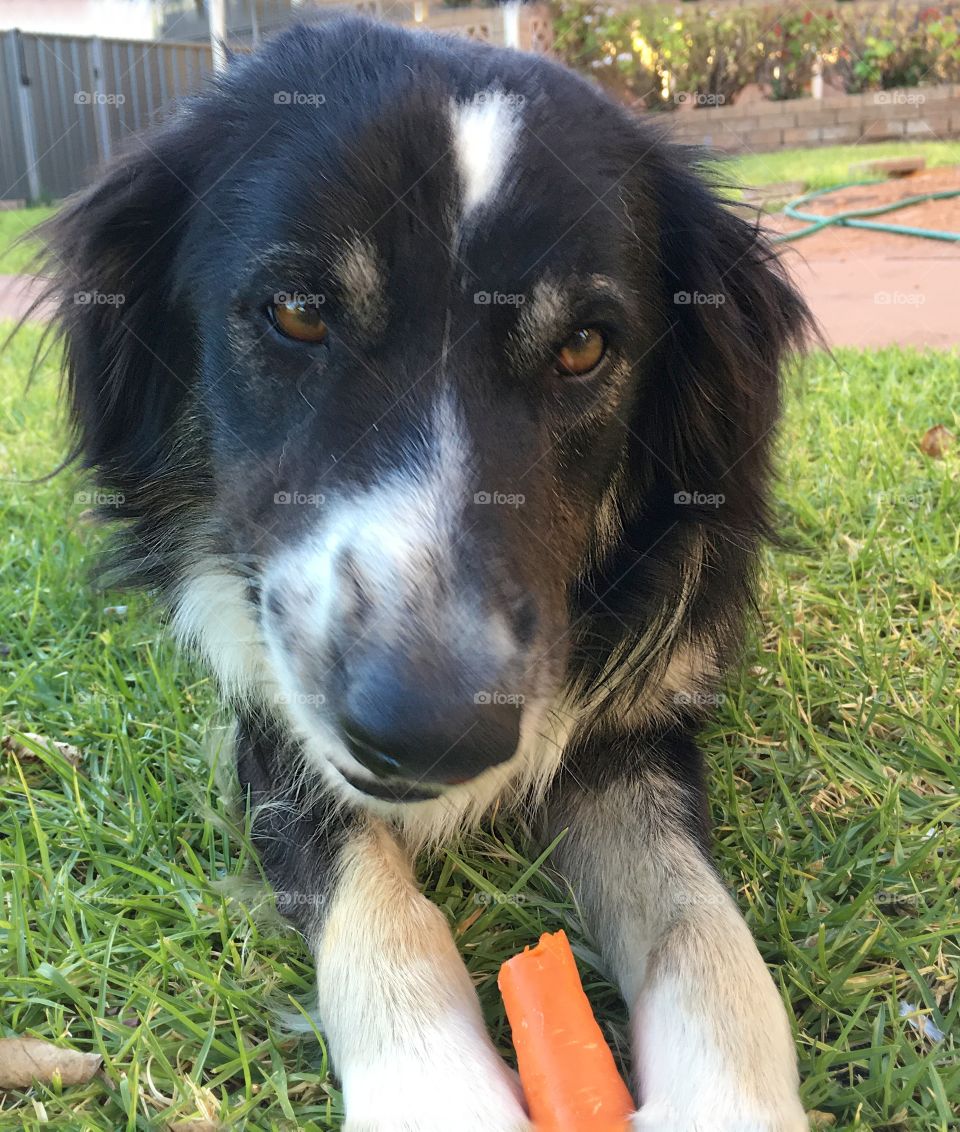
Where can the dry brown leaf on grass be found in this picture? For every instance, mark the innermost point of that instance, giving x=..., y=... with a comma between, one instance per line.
x=25, y=1060
x=24, y=753
x=202, y=1125
x=936, y=441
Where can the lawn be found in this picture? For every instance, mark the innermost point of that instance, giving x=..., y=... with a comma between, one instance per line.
x=821, y=168
x=14, y=257
x=836, y=794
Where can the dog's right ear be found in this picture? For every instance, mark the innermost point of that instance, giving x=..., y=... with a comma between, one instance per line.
x=129, y=345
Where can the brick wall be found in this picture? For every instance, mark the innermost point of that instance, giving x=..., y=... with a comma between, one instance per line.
x=533, y=31
x=924, y=113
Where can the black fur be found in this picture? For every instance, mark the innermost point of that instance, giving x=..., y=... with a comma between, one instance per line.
x=188, y=402
x=181, y=214
x=297, y=833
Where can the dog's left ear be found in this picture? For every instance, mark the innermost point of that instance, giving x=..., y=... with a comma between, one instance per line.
x=721, y=318
x=129, y=345
x=731, y=316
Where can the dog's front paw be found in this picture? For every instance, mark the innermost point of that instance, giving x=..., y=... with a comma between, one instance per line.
x=453, y=1090
x=702, y=1117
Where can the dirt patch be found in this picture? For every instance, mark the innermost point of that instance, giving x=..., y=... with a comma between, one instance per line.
x=876, y=288
x=940, y=215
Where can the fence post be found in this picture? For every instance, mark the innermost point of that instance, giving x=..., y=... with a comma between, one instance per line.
x=27, y=123
x=217, y=19
x=104, y=144
x=511, y=24
x=254, y=24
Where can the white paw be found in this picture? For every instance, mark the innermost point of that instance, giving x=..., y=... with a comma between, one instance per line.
x=712, y=1045
x=702, y=1117
x=464, y=1087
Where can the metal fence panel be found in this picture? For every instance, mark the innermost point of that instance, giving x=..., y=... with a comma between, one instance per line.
x=68, y=103
x=13, y=163
x=60, y=92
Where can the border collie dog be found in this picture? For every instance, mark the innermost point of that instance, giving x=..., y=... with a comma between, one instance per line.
x=439, y=391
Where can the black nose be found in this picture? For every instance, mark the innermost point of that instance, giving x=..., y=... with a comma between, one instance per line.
x=397, y=729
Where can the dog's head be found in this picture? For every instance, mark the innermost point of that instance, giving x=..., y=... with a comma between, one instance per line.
x=421, y=368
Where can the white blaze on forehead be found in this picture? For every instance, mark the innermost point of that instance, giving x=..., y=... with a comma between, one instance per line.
x=484, y=138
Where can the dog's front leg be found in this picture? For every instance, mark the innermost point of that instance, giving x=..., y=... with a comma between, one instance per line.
x=398, y=1009
x=398, y=1006
x=712, y=1046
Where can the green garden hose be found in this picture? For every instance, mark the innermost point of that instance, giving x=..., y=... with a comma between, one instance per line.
x=853, y=218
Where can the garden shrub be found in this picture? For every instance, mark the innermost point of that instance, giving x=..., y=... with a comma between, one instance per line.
x=664, y=56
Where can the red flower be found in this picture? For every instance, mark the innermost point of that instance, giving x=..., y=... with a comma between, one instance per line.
x=807, y=17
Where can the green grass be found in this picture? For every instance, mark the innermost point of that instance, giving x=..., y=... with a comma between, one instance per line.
x=13, y=224
x=836, y=794
x=821, y=168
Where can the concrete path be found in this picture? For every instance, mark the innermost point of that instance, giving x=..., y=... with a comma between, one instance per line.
x=871, y=288
x=17, y=293
x=882, y=300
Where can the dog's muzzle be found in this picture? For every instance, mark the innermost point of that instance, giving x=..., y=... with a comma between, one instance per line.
x=423, y=683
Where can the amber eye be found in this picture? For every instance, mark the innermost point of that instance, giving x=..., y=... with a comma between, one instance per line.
x=299, y=320
x=582, y=352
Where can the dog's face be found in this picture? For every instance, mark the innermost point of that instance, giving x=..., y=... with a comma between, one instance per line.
x=429, y=381
x=401, y=380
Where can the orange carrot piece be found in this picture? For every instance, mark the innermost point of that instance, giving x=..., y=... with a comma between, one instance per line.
x=566, y=1068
